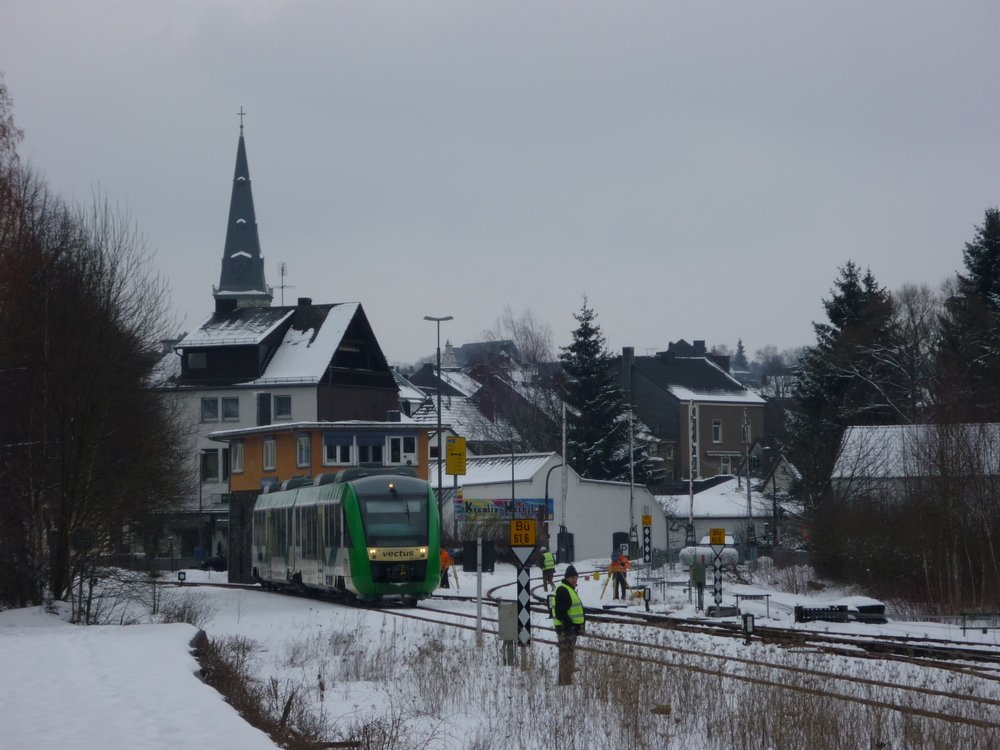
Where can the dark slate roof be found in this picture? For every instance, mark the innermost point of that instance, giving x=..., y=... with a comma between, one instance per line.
x=485, y=352
x=242, y=264
x=694, y=373
x=694, y=378
x=247, y=325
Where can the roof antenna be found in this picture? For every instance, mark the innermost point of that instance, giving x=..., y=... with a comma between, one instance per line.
x=282, y=273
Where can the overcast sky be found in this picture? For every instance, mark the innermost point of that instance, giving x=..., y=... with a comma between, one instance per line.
x=699, y=169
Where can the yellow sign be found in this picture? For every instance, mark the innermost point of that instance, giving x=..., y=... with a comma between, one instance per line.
x=647, y=520
x=454, y=457
x=522, y=533
x=717, y=536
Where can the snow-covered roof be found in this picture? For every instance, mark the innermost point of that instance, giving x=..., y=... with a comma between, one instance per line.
x=248, y=325
x=725, y=500
x=497, y=469
x=304, y=355
x=728, y=397
x=896, y=451
x=408, y=391
x=465, y=419
x=461, y=382
x=343, y=425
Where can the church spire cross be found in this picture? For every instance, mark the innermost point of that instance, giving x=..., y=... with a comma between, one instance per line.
x=241, y=113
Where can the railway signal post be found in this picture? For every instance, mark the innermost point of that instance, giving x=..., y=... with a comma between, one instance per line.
x=717, y=539
x=522, y=542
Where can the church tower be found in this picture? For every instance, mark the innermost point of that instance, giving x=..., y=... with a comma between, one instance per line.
x=242, y=282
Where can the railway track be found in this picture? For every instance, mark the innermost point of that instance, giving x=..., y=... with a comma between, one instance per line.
x=957, y=708
x=622, y=634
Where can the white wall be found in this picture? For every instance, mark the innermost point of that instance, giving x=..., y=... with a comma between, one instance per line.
x=594, y=510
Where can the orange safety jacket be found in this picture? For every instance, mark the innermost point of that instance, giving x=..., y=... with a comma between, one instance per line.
x=445, y=560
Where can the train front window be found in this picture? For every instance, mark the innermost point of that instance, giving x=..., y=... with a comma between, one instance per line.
x=394, y=521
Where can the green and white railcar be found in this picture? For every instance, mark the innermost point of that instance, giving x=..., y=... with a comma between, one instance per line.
x=369, y=534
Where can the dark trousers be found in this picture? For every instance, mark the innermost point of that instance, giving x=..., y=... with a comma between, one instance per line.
x=567, y=654
x=444, y=579
x=620, y=584
x=547, y=576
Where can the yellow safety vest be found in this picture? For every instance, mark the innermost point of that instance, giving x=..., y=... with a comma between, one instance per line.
x=548, y=561
x=575, y=611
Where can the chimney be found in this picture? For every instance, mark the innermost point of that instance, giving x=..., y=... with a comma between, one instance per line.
x=699, y=347
x=305, y=301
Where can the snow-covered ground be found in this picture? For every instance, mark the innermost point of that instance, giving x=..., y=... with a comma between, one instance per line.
x=134, y=687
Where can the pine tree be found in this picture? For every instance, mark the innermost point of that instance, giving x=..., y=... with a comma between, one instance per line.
x=597, y=434
x=844, y=379
x=739, y=361
x=969, y=351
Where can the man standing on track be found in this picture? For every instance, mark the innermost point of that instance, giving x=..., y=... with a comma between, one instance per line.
x=548, y=568
x=445, y=568
x=568, y=620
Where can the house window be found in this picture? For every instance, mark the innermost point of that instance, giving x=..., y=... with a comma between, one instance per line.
x=717, y=433
x=669, y=452
x=303, y=453
x=230, y=409
x=236, y=457
x=725, y=465
x=210, y=410
x=370, y=454
x=282, y=407
x=210, y=465
x=270, y=454
x=337, y=449
x=197, y=361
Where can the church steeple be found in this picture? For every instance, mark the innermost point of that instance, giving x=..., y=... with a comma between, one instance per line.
x=242, y=282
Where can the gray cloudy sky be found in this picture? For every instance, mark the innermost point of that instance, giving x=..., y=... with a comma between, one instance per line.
x=698, y=169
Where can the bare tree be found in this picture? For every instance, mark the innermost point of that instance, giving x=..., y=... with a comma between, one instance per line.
x=85, y=444
x=532, y=337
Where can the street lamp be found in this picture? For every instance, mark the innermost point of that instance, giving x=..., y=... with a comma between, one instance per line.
x=439, y=321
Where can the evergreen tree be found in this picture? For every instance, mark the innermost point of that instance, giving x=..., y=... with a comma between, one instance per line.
x=597, y=440
x=844, y=379
x=969, y=350
x=739, y=360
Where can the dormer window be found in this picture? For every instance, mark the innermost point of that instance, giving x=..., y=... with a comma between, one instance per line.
x=197, y=360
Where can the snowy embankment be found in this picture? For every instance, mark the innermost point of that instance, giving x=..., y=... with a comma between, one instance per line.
x=109, y=687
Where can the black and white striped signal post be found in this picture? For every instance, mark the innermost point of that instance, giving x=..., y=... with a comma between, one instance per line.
x=647, y=539
x=522, y=542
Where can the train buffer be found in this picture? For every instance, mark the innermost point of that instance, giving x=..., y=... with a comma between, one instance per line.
x=766, y=598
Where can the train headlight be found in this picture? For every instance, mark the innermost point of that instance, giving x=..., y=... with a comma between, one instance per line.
x=372, y=553
x=423, y=552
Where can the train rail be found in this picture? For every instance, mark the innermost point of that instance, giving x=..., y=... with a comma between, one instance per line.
x=616, y=637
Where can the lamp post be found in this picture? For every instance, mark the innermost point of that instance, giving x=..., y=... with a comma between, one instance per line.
x=439, y=321
x=201, y=484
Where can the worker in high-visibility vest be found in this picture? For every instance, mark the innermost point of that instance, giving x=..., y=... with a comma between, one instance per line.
x=548, y=568
x=569, y=622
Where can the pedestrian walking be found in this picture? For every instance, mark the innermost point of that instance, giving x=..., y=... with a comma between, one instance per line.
x=446, y=562
x=548, y=568
x=568, y=620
